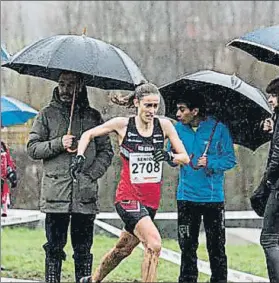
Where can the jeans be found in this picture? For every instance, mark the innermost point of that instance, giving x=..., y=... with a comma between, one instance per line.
x=189, y=220
x=270, y=236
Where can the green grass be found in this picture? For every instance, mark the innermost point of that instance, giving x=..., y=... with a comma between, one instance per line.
x=247, y=258
x=23, y=256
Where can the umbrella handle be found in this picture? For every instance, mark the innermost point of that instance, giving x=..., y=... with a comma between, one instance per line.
x=71, y=114
x=210, y=139
x=69, y=131
x=206, y=149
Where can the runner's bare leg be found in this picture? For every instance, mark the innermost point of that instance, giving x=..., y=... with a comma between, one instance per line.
x=148, y=234
x=124, y=247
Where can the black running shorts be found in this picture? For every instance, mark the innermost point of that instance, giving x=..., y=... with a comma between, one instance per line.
x=131, y=211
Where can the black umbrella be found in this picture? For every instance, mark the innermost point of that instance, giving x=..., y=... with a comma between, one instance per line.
x=237, y=104
x=262, y=43
x=103, y=65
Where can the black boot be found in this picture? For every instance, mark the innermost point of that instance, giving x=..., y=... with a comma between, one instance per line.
x=53, y=270
x=53, y=265
x=83, y=266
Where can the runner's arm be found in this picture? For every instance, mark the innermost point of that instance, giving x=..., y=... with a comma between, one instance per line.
x=112, y=125
x=181, y=157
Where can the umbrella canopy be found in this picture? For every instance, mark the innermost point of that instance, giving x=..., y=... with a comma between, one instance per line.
x=262, y=44
x=237, y=104
x=15, y=112
x=4, y=55
x=103, y=65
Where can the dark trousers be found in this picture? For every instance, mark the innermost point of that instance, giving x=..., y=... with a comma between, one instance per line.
x=189, y=220
x=56, y=227
x=270, y=236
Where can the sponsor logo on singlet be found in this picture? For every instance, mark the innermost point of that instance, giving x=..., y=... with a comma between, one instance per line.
x=145, y=148
x=130, y=134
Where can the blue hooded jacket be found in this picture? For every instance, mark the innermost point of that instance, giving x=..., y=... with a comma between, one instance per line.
x=205, y=184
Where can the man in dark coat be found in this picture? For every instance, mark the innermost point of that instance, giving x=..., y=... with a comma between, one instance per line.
x=62, y=199
x=270, y=231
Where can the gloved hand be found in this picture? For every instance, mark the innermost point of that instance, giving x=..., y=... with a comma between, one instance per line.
x=12, y=177
x=162, y=155
x=77, y=165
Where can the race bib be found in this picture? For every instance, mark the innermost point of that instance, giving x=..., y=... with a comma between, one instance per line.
x=143, y=169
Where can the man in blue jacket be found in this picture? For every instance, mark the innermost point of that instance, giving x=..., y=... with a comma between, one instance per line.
x=200, y=192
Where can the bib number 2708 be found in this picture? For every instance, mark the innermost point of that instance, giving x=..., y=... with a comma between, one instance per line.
x=149, y=167
x=143, y=169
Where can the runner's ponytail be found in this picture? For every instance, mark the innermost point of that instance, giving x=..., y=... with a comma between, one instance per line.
x=144, y=88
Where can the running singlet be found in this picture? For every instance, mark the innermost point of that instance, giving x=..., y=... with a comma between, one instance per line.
x=140, y=177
